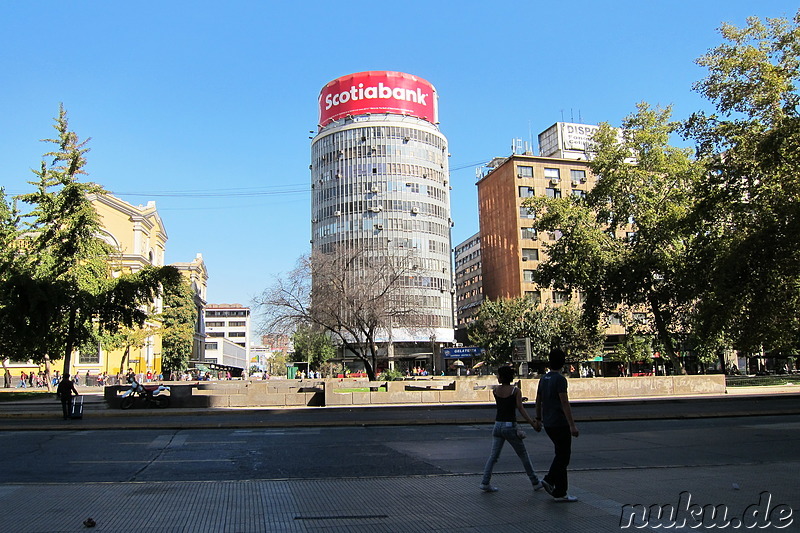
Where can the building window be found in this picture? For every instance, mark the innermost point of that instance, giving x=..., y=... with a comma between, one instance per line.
x=216, y=334
x=237, y=334
x=88, y=357
x=560, y=297
x=236, y=323
x=577, y=193
x=527, y=276
x=526, y=192
x=552, y=174
x=212, y=346
x=614, y=319
x=577, y=176
x=525, y=172
x=534, y=296
x=524, y=212
x=552, y=193
x=530, y=254
x=215, y=324
x=528, y=233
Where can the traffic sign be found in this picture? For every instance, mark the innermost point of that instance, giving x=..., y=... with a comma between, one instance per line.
x=459, y=353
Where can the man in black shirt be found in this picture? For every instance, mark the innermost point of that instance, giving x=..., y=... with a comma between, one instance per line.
x=553, y=411
x=64, y=392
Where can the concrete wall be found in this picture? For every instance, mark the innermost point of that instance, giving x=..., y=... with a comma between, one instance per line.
x=338, y=392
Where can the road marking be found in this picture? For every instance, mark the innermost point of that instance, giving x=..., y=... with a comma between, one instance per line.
x=154, y=461
x=160, y=441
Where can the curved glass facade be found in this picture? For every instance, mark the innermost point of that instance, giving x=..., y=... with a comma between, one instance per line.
x=380, y=183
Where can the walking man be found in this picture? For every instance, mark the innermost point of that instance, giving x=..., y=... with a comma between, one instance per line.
x=64, y=392
x=554, y=412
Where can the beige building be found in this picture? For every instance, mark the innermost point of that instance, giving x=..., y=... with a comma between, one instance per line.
x=137, y=234
x=197, y=275
x=469, y=284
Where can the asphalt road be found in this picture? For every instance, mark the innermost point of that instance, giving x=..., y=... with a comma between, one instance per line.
x=45, y=415
x=119, y=455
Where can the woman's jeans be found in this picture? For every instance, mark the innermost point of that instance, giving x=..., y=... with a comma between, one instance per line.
x=507, y=431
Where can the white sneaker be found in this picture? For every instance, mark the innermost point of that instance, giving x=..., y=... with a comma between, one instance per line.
x=489, y=488
x=567, y=498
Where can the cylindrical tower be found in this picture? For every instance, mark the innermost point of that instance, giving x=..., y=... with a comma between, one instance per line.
x=380, y=182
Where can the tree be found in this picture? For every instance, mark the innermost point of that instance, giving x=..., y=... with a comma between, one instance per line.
x=499, y=322
x=312, y=346
x=179, y=319
x=626, y=242
x=748, y=222
x=357, y=297
x=60, y=285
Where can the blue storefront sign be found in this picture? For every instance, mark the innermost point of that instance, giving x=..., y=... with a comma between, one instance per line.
x=460, y=353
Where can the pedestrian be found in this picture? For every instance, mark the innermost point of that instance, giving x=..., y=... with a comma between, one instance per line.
x=508, y=399
x=554, y=412
x=64, y=392
x=23, y=378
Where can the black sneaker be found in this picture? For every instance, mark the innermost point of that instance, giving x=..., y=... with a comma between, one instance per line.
x=547, y=487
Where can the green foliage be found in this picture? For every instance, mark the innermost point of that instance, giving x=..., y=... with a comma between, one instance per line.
x=314, y=347
x=391, y=374
x=635, y=348
x=501, y=321
x=748, y=223
x=625, y=244
x=178, y=326
x=276, y=364
x=58, y=286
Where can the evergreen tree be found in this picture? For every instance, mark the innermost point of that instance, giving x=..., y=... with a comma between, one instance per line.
x=62, y=284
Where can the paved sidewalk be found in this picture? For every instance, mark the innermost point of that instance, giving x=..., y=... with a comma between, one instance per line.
x=442, y=503
x=448, y=503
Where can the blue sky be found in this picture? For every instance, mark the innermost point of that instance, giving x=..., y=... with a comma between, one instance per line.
x=205, y=107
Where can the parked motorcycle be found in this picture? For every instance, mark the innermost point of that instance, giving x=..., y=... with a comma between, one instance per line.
x=151, y=395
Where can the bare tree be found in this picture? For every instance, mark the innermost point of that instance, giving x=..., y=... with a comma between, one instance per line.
x=357, y=296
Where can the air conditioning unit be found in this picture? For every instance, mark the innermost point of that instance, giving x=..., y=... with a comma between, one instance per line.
x=524, y=258
x=415, y=210
x=337, y=213
x=376, y=209
x=554, y=181
x=575, y=183
x=379, y=226
x=338, y=174
x=374, y=189
x=314, y=221
x=583, y=179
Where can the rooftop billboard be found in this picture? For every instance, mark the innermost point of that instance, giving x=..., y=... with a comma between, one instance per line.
x=377, y=92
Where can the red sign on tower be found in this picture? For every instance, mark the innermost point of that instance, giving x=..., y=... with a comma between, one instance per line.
x=378, y=92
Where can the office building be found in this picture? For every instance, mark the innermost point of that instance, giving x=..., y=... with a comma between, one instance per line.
x=227, y=328
x=469, y=284
x=380, y=184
